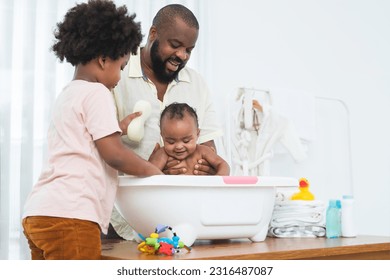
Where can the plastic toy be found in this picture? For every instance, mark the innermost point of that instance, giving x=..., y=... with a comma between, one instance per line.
x=304, y=193
x=154, y=244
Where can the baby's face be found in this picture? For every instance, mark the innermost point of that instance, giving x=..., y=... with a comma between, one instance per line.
x=180, y=136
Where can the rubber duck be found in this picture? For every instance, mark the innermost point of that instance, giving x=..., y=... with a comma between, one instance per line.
x=304, y=193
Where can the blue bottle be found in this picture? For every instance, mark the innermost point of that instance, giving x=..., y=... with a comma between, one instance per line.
x=333, y=219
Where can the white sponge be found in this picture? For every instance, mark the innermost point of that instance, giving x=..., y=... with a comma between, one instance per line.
x=135, y=130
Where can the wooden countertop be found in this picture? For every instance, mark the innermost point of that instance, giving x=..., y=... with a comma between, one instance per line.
x=361, y=247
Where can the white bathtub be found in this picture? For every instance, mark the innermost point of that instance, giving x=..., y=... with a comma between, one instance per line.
x=200, y=207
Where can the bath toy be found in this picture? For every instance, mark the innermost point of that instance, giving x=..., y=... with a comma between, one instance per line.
x=161, y=245
x=166, y=249
x=304, y=193
x=135, y=130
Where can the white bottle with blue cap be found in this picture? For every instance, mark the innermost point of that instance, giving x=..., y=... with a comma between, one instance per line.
x=347, y=217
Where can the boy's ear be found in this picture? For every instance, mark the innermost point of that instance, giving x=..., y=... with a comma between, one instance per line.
x=197, y=134
x=101, y=61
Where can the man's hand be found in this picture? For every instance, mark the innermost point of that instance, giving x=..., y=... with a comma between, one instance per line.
x=204, y=168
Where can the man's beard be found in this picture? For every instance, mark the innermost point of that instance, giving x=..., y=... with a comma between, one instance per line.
x=159, y=65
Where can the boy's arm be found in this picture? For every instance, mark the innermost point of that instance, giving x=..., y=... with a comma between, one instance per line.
x=218, y=163
x=118, y=156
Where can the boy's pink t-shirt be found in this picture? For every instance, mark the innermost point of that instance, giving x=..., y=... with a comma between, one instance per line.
x=77, y=183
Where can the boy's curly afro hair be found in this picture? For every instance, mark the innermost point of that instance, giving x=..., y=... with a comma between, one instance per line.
x=93, y=29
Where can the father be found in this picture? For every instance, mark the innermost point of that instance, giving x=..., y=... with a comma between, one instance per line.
x=159, y=75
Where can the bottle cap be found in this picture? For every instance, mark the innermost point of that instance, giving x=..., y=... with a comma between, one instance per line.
x=332, y=203
x=336, y=203
x=347, y=196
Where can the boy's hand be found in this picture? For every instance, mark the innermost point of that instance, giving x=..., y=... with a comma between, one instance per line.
x=123, y=124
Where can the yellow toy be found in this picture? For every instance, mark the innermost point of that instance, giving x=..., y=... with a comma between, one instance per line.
x=304, y=193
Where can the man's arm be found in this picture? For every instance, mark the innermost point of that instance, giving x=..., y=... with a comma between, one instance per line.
x=203, y=167
x=210, y=144
x=216, y=162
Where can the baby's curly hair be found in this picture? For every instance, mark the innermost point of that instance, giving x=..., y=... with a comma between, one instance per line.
x=177, y=111
x=93, y=29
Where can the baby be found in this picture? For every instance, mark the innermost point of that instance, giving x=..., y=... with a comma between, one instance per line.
x=180, y=132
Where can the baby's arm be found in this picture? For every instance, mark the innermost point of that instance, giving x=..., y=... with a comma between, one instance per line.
x=159, y=158
x=218, y=163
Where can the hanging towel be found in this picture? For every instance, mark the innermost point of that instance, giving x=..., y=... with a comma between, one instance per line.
x=299, y=107
x=252, y=148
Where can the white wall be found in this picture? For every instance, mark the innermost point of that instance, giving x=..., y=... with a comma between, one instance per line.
x=337, y=49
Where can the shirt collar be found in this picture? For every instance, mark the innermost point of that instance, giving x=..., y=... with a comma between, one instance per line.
x=135, y=69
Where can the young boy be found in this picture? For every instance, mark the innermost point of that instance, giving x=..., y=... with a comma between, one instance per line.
x=73, y=199
x=180, y=132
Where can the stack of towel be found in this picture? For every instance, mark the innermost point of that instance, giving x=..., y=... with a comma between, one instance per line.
x=297, y=218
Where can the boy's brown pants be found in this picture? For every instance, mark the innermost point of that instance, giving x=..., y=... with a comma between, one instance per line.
x=52, y=238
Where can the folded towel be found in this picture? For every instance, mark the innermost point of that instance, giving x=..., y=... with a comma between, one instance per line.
x=298, y=213
x=297, y=231
x=283, y=194
x=297, y=220
x=299, y=205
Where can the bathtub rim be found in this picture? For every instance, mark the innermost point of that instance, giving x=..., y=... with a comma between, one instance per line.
x=207, y=181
